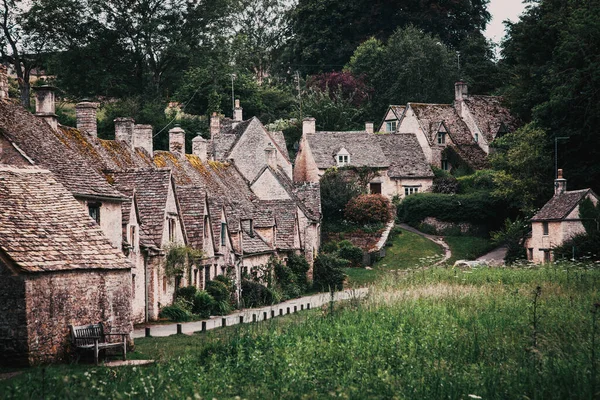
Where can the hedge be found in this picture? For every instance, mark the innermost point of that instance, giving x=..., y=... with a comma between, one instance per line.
x=476, y=208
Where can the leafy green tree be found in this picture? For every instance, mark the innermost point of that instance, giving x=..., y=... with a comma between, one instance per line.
x=512, y=236
x=336, y=191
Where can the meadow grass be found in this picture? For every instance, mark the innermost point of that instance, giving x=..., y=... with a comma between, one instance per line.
x=422, y=333
x=467, y=247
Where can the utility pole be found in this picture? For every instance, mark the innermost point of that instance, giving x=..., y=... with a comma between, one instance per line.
x=297, y=77
x=233, y=76
x=556, y=139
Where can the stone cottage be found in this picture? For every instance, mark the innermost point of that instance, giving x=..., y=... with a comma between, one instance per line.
x=392, y=116
x=557, y=222
x=399, y=164
x=57, y=268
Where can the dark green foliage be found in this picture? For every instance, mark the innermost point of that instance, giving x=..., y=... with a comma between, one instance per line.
x=475, y=208
x=459, y=166
x=329, y=247
x=218, y=290
x=175, y=313
x=581, y=247
x=445, y=185
x=482, y=180
x=188, y=293
x=336, y=191
x=203, y=304
x=328, y=273
x=256, y=295
x=368, y=209
x=512, y=236
x=333, y=112
x=590, y=216
x=286, y=280
x=299, y=266
x=351, y=253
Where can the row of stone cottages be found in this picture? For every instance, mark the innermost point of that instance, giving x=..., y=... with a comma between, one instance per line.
x=232, y=198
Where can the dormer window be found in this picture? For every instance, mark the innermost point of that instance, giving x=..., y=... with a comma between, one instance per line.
x=172, y=226
x=343, y=158
x=476, y=137
x=223, y=233
x=94, y=210
x=390, y=126
x=441, y=137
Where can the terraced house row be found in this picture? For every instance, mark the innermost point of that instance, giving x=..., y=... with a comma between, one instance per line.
x=232, y=197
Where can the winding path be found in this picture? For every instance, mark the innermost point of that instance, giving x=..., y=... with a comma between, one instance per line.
x=436, y=239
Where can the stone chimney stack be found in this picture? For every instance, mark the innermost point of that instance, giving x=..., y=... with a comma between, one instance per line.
x=45, y=105
x=237, y=112
x=142, y=137
x=369, y=127
x=215, y=125
x=560, y=184
x=124, y=130
x=271, y=155
x=177, y=140
x=200, y=148
x=309, y=126
x=86, y=117
x=461, y=91
x=3, y=82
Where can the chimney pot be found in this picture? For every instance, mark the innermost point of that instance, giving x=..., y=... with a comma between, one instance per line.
x=124, y=130
x=142, y=138
x=200, y=147
x=309, y=126
x=560, y=184
x=177, y=140
x=369, y=127
x=45, y=104
x=271, y=155
x=215, y=125
x=237, y=112
x=86, y=117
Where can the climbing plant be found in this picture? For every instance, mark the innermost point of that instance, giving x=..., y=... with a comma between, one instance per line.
x=179, y=258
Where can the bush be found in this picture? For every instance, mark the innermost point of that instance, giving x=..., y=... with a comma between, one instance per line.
x=337, y=189
x=186, y=293
x=368, y=209
x=286, y=280
x=482, y=180
x=176, y=313
x=476, y=208
x=299, y=267
x=329, y=247
x=586, y=247
x=328, y=274
x=447, y=185
x=204, y=303
x=351, y=253
x=255, y=295
x=218, y=290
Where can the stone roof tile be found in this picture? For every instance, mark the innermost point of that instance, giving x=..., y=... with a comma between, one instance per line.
x=489, y=115
x=559, y=206
x=405, y=156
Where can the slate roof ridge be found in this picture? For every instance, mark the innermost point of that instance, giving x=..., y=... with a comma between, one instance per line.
x=562, y=204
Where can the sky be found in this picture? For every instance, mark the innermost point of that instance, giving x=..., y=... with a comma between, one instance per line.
x=502, y=10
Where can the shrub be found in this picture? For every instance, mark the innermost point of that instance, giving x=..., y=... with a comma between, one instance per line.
x=299, y=267
x=286, y=280
x=351, y=253
x=255, y=295
x=586, y=247
x=447, y=185
x=186, y=293
x=368, y=208
x=337, y=189
x=328, y=274
x=479, y=181
x=204, y=303
x=329, y=247
x=218, y=290
x=176, y=313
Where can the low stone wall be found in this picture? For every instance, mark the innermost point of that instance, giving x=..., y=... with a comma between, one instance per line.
x=435, y=226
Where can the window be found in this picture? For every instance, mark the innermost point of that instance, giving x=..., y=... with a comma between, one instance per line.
x=164, y=284
x=206, y=274
x=441, y=137
x=132, y=235
x=251, y=228
x=375, y=188
x=408, y=190
x=171, y=222
x=545, y=228
x=343, y=159
x=546, y=256
x=223, y=233
x=133, y=285
x=390, y=126
x=445, y=166
x=476, y=137
x=530, y=254
x=94, y=210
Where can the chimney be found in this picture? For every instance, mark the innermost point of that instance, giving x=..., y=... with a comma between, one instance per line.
x=45, y=104
x=369, y=127
x=200, y=147
x=124, y=130
x=3, y=82
x=461, y=91
x=215, y=125
x=142, y=137
x=237, y=111
x=86, y=117
x=271, y=155
x=309, y=126
x=560, y=184
x=177, y=140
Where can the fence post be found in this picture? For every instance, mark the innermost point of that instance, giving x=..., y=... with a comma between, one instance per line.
x=265, y=316
x=223, y=321
x=179, y=329
x=241, y=319
x=203, y=326
x=253, y=317
x=148, y=332
x=308, y=306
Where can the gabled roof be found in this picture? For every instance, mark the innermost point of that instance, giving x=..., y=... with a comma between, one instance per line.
x=489, y=115
x=43, y=145
x=192, y=199
x=363, y=148
x=285, y=216
x=43, y=228
x=405, y=155
x=559, y=206
x=152, y=191
x=398, y=112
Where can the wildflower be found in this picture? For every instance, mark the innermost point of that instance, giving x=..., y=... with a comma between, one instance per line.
x=474, y=396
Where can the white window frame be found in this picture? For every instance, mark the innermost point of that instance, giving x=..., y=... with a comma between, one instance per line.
x=408, y=190
x=343, y=160
x=391, y=126
x=441, y=138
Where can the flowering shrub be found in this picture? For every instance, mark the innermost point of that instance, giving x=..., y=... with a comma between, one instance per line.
x=368, y=209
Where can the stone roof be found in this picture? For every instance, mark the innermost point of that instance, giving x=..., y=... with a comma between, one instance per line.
x=285, y=217
x=310, y=195
x=151, y=189
x=279, y=142
x=313, y=210
x=489, y=115
x=191, y=199
x=362, y=147
x=559, y=206
x=43, y=228
x=44, y=146
x=226, y=139
x=254, y=244
x=405, y=155
x=431, y=116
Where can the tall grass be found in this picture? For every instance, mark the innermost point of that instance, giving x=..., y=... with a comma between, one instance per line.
x=422, y=333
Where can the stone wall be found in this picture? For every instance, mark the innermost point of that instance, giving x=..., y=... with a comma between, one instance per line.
x=13, y=321
x=443, y=228
x=59, y=299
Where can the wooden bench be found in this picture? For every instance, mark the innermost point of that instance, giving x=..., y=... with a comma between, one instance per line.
x=92, y=337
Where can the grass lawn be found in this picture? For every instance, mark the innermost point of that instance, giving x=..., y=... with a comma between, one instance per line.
x=421, y=334
x=467, y=247
x=407, y=251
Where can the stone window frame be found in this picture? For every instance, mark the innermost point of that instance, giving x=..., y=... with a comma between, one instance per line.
x=445, y=165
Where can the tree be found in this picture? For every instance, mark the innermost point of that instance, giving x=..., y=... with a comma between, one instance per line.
x=410, y=66
x=336, y=191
